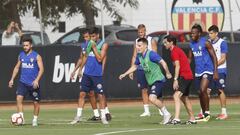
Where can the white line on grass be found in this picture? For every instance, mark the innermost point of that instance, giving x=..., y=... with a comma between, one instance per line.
x=126, y=131
x=180, y=128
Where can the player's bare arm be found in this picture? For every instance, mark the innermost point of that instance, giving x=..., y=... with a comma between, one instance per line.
x=84, y=60
x=133, y=60
x=214, y=59
x=100, y=57
x=176, y=75
x=14, y=74
x=40, y=72
x=104, y=64
x=130, y=70
x=222, y=59
x=190, y=55
x=77, y=65
x=165, y=67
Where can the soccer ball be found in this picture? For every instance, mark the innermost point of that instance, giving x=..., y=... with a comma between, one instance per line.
x=16, y=119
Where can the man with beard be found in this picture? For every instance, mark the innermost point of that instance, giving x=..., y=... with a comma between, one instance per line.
x=31, y=65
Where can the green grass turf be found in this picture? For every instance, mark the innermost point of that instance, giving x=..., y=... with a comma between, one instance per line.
x=125, y=121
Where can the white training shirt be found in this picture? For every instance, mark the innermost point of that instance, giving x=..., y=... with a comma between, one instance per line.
x=220, y=46
x=10, y=39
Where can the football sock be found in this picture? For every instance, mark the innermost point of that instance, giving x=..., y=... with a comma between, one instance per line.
x=207, y=112
x=103, y=114
x=79, y=112
x=146, y=108
x=96, y=113
x=224, y=111
x=165, y=111
x=107, y=110
x=35, y=117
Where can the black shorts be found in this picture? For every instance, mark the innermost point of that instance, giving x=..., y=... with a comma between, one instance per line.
x=184, y=85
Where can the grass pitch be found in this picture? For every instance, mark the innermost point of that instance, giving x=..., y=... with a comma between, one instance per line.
x=126, y=121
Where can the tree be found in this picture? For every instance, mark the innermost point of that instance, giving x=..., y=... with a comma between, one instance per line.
x=8, y=12
x=53, y=9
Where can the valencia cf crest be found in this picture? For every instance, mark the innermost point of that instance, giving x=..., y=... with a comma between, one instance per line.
x=200, y=48
x=31, y=60
x=186, y=13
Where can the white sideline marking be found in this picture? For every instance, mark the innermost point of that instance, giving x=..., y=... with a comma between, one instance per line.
x=126, y=131
x=138, y=130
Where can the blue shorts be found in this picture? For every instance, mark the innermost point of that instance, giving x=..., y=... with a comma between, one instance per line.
x=92, y=83
x=156, y=88
x=23, y=89
x=220, y=83
x=141, y=79
x=198, y=80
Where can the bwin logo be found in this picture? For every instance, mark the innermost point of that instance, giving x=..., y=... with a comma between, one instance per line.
x=198, y=53
x=63, y=70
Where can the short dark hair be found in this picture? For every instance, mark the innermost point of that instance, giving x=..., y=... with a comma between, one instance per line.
x=213, y=28
x=94, y=30
x=85, y=31
x=171, y=38
x=27, y=40
x=144, y=40
x=198, y=27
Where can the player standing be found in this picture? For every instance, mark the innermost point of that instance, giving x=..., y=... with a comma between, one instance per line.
x=183, y=78
x=205, y=67
x=221, y=48
x=92, y=75
x=31, y=66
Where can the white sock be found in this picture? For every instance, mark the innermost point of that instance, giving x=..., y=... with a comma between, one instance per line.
x=165, y=111
x=224, y=111
x=21, y=113
x=35, y=117
x=107, y=110
x=96, y=113
x=207, y=112
x=201, y=111
x=103, y=114
x=146, y=108
x=160, y=112
x=79, y=112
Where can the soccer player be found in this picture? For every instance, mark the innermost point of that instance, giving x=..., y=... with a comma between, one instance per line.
x=91, y=93
x=150, y=61
x=221, y=48
x=183, y=78
x=141, y=80
x=92, y=75
x=205, y=67
x=31, y=66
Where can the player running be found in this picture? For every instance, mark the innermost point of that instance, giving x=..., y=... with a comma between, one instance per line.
x=141, y=80
x=150, y=61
